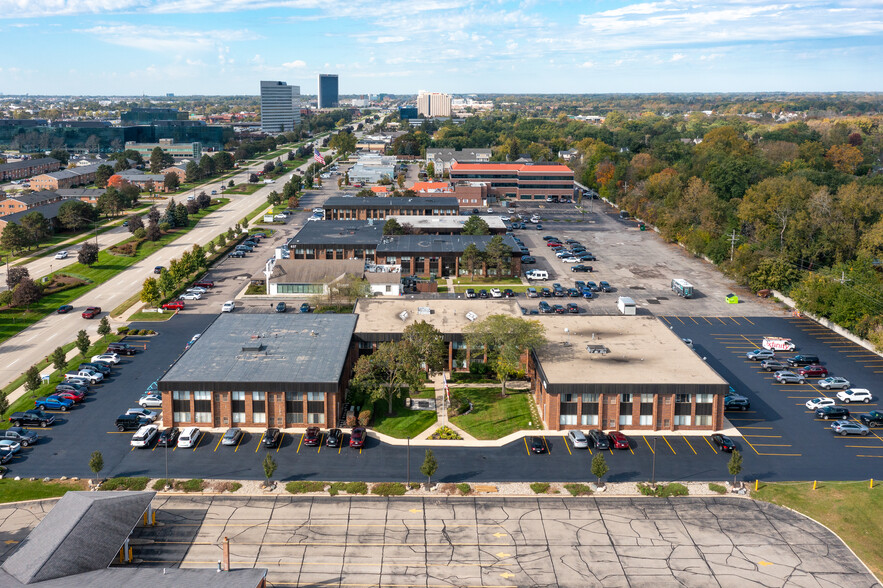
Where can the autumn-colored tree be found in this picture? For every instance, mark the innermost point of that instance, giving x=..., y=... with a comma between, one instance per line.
x=844, y=158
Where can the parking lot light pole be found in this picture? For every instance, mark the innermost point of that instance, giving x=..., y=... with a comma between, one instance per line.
x=409, y=461
x=653, y=475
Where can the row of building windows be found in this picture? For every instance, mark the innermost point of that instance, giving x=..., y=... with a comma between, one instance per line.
x=510, y=176
x=299, y=288
x=590, y=405
x=294, y=409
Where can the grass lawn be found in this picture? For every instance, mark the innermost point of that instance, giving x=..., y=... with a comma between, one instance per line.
x=494, y=417
x=404, y=423
x=246, y=189
x=490, y=280
x=850, y=509
x=17, y=490
x=14, y=320
x=152, y=316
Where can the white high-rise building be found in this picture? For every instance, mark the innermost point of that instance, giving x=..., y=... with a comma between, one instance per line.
x=280, y=107
x=431, y=104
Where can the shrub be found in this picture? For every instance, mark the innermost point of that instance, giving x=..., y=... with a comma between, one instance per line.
x=140, y=233
x=464, y=488
x=122, y=330
x=414, y=485
x=717, y=488
x=446, y=434
x=135, y=483
x=192, y=485
x=578, y=489
x=161, y=484
x=648, y=490
x=674, y=489
x=479, y=368
x=540, y=487
x=356, y=488
x=350, y=419
x=304, y=486
x=388, y=489
x=164, y=227
x=233, y=486
x=365, y=417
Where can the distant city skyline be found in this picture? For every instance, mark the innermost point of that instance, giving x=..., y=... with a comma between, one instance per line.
x=186, y=47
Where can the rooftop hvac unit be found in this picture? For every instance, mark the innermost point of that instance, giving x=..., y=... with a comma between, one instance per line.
x=471, y=316
x=602, y=349
x=424, y=310
x=404, y=315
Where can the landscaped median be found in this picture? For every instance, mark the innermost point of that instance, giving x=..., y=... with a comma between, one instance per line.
x=492, y=416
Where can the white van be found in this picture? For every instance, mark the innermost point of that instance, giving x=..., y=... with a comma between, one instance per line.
x=536, y=275
x=189, y=437
x=626, y=305
x=778, y=344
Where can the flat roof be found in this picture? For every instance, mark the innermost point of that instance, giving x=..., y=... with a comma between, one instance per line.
x=642, y=350
x=390, y=202
x=511, y=166
x=314, y=271
x=447, y=222
x=350, y=232
x=378, y=316
x=269, y=352
x=439, y=243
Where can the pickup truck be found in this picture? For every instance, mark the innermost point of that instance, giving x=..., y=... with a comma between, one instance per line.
x=121, y=349
x=21, y=436
x=52, y=403
x=30, y=418
x=92, y=377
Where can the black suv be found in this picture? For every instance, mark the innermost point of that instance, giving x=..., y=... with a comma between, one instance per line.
x=121, y=349
x=271, y=438
x=130, y=422
x=736, y=403
x=168, y=437
x=599, y=439
x=335, y=438
x=803, y=360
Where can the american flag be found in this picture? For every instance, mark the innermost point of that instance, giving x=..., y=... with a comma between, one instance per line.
x=318, y=156
x=447, y=390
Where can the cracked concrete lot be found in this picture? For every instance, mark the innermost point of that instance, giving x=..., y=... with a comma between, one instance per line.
x=490, y=541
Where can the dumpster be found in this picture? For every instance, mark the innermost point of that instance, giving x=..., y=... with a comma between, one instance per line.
x=642, y=226
x=732, y=299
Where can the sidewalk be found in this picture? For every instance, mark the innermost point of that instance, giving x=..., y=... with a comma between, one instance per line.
x=441, y=411
x=21, y=390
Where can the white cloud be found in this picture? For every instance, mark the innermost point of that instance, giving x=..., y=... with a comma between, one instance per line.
x=587, y=64
x=166, y=39
x=297, y=63
x=390, y=39
x=677, y=57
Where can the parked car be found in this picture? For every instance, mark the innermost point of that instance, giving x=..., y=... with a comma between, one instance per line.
x=577, y=439
x=593, y=286
x=9, y=446
x=786, y=377
x=312, y=437
x=587, y=293
x=107, y=357
x=482, y=293
x=528, y=260
x=76, y=381
x=168, y=437
x=90, y=376
x=509, y=293
x=281, y=307
x=130, y=422
x=53, y=403
x=64, y=309
x=228, y=306
x=581, y=268
x=143, y=413
x=70, y=395
x=305, y=307
x=872, y=419
x=334, y=438
x=813, y=371
x=20, y=435
x=496, y=293
x=190, y=296
x=121, y=349
x=272, y=437
x=102, y=368
x=174, y=305
x=832, y=412
x=773, y=365
x=357, y=437
x=736, y=403
x=537, y=444
x=849, y=428
x=758, y=354
x=69, y=387
x=618, y=440
x=532, y=292
x=143, y=436
x=599, y=439
x=196, y=290
x=91, y=312
x=572, y=308
x=605, y=286
x=231, y=436
x=854, y=395
x=238, y=254
x=150, y=401
x=723, y=442
x=61, y=255
x=558, y=309
x=833, y=382
x=188, y=437
x=803, y=359
x=820, y=402
x=204, y=284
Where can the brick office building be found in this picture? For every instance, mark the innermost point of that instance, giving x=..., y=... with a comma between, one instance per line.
x=336, y=240
x=440, y=255
x=262, y=370
x=518, y=181
x=378, y=208
x=630, y=373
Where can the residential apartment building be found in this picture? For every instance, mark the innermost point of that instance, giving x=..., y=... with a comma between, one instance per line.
x=23, y=202
x=364, y=208
x=280, y=107
x=66, y=178
x=26, y=168
x=518, y=181
x=433, y=104
x=328, y=91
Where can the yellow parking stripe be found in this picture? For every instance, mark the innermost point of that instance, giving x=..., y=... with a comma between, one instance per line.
x=261, y=440
x=321, y=437
x=669, y=446
x=750, y=445
x=750, y=341
x=279, y=445
x=648, y=445
x=691, y=447
x=241, y=437
x=567, y=446
x=546, y=445
x=710, y=445
x=299, y=443
x=747, y=319
x=201, y=437
x=707, y=321
x=694, y=320
x=735, y=321
x=219, y=443
x=665, y=319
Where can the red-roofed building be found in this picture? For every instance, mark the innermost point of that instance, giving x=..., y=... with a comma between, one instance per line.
x=518, y=181
x=380, y=189
x=427, y=187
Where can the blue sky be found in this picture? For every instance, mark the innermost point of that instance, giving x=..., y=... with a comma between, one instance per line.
x=133, y=47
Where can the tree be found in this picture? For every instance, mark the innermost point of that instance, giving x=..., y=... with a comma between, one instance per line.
x=269, y=467
x=496, y=253
x=599, y=466
x=135, y=222
x=203, y=200
x=734, y=466
x=192, y=172
x=83, y=342
x=102, y=174
x=471, y=256
x=32, y=379
x=429, y=467
x=393, y=227
x=181, y=215
x=207, y=166
x=244, y=222
x=505, y=339
x=393, y=366
x=88, y=254
x=153, y=233
x=26, y=293
x=171, y=181
x=844, y=158
x=76, y=214
x=15, y=275
x=475, y=225
x=13, y=238
x=199, y=259
x=166, y=284
x=110, y=203
x=58, y=359
x=253, y=178
x=177, y=270
x=430, y=170
x=36, y=227
x=192, y=207
x=153, y=214
x=96, y=461
x=4, y=402
x=156, y=160
x=104, y=327
x=61, y=155
x=428, y=343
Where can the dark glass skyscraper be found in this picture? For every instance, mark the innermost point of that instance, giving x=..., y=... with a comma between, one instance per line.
x=328, y=91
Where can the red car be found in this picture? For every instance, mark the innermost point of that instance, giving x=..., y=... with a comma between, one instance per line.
x=813, y=371
x=70, y=395
x=618, y=440
x=357, y=437
x=311, y=438
x=554, y=244
x=204, y=284
x=91, y=312
x=174, y=305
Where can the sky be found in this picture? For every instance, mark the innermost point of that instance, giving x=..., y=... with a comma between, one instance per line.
x=211, y=47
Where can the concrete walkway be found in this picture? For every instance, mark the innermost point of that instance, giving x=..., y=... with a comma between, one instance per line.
x=441, y=410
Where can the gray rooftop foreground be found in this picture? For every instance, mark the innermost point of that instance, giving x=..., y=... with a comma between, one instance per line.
x=390, y=202
x=82, y=533
x=150, y=577
x=265, y=352
x=439, y=243
x=352, y=232
x=49, y=211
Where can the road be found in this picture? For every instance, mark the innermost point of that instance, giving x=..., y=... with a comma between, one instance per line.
x=38, y=341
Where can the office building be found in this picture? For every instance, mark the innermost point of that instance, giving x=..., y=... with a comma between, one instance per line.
x=148, y=116
x=407, y=112
x=188, y=150
x=328, y=91
x=518, y=181
x=280, y=107
x=364, y=208
x=433, y=104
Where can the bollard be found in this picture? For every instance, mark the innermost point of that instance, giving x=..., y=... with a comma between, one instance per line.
x=131, y=559
x=756, y=482
x=872, y=484
x=814, y=484
x=153, y=518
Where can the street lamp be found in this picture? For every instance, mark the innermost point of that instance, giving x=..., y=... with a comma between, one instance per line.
x=409, y=461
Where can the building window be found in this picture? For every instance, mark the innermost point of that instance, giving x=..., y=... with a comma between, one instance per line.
x=316, y=408
x=237, y=406
x=682, y=419
x=258, y=407
x=294, y=407
x=647, y=402
x=625, y=419
x=589, y=409
x=704, y=406
x=202, y=406
x=181, y=406
x=568, y=419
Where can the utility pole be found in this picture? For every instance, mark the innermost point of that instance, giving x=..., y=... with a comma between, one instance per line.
x=733, y=238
